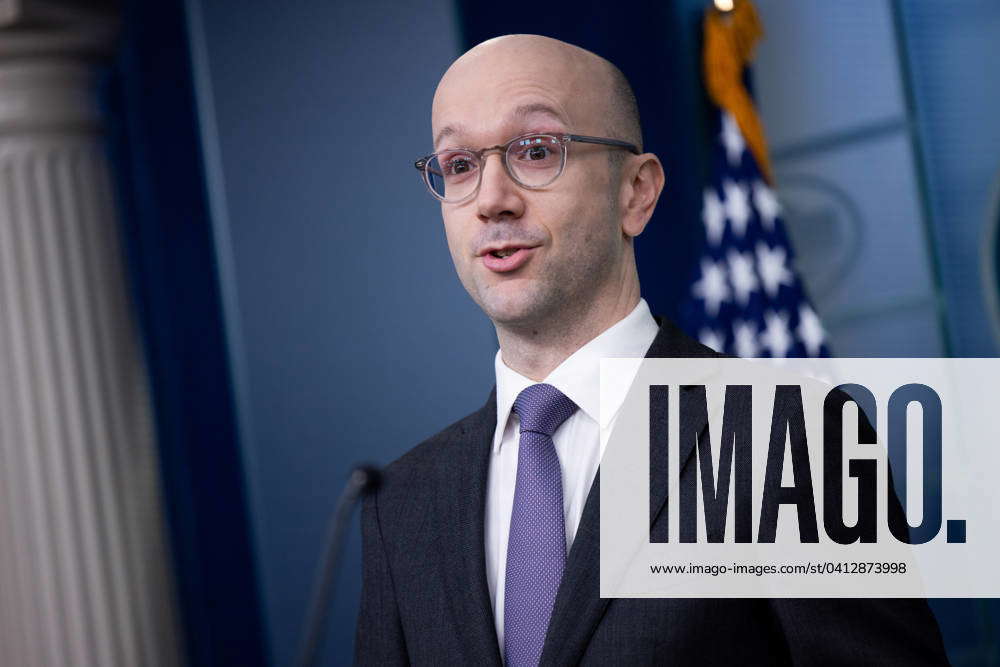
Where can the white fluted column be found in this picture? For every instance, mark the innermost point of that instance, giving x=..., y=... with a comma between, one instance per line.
x=84, y=567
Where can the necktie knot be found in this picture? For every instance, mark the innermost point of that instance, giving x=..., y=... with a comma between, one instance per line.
x=542, y=408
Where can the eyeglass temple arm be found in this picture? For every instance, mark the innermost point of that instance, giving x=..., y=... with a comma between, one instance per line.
x=632, y=148
x=421, y=164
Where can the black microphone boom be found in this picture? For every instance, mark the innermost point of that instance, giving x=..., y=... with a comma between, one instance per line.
x=363, y=480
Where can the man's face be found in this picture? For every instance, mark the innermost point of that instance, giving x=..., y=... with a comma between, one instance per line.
x=568, y=244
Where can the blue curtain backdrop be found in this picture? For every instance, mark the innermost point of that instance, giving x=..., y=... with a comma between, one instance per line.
x=167, y=229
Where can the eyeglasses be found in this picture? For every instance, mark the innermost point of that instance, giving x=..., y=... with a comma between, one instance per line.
x=532, y=160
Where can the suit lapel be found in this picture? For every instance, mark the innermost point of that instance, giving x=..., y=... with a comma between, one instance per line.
x=462, y=544
x=578, y=607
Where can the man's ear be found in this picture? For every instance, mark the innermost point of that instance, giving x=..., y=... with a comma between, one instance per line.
x=642, y=183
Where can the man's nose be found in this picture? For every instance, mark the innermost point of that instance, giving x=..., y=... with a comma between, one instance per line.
x=499, y=196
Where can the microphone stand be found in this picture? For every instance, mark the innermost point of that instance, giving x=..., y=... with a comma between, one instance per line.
x=362, y=481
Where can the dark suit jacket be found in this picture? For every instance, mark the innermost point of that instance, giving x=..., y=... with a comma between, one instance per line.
x=425, y=599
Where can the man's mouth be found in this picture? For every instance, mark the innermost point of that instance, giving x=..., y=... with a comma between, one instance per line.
x=502, y=260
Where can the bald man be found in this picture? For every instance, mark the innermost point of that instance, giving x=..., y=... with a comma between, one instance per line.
x=481, y=546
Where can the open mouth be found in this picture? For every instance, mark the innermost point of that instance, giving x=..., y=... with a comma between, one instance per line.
x=506, y=259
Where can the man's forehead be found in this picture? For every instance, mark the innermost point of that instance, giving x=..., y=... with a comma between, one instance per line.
x=483, y=98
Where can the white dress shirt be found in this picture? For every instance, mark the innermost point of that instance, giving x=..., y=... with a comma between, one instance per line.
x=578, y=440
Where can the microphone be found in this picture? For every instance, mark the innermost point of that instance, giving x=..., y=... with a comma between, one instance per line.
x=364, y=479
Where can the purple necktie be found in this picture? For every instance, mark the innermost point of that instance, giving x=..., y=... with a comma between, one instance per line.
x=536, y=547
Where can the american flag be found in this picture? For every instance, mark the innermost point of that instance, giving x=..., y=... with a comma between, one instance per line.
x=745, y=296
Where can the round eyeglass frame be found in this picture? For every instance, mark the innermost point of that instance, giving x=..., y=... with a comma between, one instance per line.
x=563, y=140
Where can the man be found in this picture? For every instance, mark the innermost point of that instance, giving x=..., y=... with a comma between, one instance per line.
x=481, y=545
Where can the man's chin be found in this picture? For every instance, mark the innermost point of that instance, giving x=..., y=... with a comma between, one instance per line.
x=518, y=310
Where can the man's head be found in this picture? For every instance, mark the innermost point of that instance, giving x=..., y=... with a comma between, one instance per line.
x=574, y=256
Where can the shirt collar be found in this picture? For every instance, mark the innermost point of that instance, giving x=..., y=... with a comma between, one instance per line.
x=578, y=376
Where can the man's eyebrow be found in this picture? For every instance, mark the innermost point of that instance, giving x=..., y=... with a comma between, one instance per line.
x=520, y=113
x=526, y=110
x=446, y=131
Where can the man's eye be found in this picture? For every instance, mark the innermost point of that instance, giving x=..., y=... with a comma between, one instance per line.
x=458, y=166
x=538, y=153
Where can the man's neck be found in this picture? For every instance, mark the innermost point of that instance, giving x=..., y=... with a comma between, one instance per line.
x=535, y=351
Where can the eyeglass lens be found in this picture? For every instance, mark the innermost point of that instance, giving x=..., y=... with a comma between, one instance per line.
x=533, y=161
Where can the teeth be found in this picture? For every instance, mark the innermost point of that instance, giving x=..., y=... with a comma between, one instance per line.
x=505, y=253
